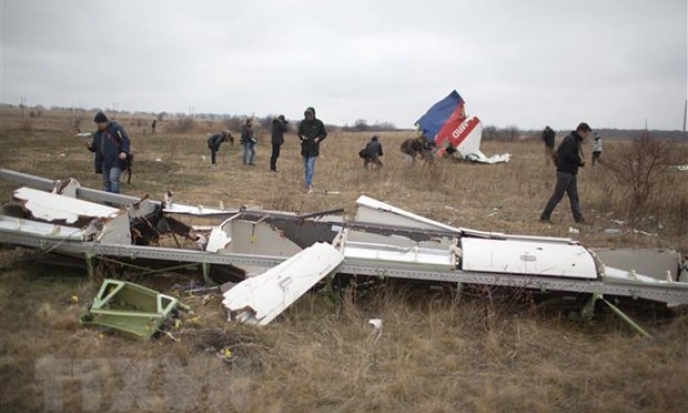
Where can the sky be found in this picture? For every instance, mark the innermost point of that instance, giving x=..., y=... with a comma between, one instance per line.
x=526, y=63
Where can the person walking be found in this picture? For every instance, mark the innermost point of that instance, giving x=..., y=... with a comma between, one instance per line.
x=596, y=148
x=279, y=126
x=248, y=142
x=372, y=153
x=548, y=136
x=568, y=160
x=215, y=141
x=311, y=132
x=111, y=145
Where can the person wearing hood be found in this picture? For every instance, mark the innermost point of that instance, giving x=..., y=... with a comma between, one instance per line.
x=311, y=133
x=215, y=141
x=569, y=158
x=279, y=126
x=111, y=145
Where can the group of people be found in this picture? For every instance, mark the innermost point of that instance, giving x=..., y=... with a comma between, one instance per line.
x=111, y=146
x=311, y=132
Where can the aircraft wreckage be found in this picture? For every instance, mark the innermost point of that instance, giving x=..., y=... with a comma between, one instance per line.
x=275, y=257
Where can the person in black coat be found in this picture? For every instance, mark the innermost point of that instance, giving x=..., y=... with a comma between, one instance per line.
x=372, y=153
x=279, y=126
x=215, y=141
x=548, y=136
x=311, y=132
x=568, y=160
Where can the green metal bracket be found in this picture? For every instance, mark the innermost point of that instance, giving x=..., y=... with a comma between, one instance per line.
x=206, y=274
x=89, y=265
x=588, y=311
x=130, y=308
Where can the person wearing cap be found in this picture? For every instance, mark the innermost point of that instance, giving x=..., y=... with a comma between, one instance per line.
x=279, y=126
x=596, y=148
x=311, y=133
x=215, y=141
x=568, y=159
x=111, y=145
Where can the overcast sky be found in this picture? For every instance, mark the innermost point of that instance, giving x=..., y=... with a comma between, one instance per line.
x=612, y=63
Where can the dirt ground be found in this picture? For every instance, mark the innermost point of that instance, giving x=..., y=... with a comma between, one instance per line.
x=436, y=352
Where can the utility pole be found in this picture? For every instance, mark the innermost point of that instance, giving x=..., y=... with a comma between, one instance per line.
x=685, y=114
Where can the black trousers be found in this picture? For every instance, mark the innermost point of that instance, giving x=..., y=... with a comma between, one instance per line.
x=212, y=156
x=566, y=183
x=275, y=154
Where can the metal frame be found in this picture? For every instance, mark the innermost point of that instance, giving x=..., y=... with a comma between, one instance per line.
x=671, y=293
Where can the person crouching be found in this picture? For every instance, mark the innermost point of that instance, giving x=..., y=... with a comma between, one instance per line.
x=372, y=153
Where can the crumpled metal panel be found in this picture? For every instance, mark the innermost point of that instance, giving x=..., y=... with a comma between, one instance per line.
x=397, y=249
x=653, y=262
x=52, y=207
x=260, y=299
x=371, y=210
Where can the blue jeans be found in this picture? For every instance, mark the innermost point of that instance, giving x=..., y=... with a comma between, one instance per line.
x=309, y=168
x=249, y=152
x=111, y=178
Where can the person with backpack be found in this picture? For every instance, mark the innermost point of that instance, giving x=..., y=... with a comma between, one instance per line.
x=215, y=141
x=111, y=145
x=548, y=136
x=372, y=153
x=568, y=159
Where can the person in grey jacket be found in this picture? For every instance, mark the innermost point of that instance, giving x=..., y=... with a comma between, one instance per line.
x=216, y=140
x=111, y=145
x=248, y=142
x=568, y=161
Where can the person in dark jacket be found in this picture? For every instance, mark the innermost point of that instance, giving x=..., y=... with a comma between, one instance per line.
x=548, y=136
x=279, y=126
x=372, y=153
x=111, y=145
x=248, y=142
x=311, y=133
x=569, y=159
x=216, y=140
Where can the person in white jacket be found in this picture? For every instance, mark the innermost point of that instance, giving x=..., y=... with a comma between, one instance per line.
x=596, y=149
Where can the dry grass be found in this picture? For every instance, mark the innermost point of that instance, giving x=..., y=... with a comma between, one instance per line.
x=435, y=352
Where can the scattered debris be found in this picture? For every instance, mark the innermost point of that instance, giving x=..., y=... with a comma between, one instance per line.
x=446, y=125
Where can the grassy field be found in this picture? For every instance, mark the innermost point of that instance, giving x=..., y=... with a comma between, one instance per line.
x=436, y=352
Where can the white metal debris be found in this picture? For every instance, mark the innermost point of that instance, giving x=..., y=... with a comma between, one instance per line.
x=371, y=210
x=527, y=257
x=260, y=299
x=50, y=207
x=397, y=249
